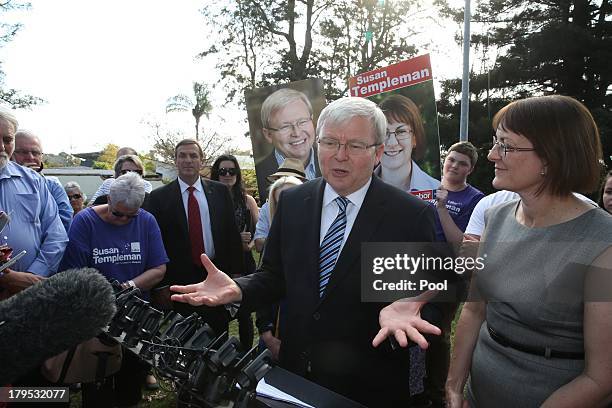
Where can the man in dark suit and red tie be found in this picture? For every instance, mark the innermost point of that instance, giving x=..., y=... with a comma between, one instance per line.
x=196, y=216
x=313, y=256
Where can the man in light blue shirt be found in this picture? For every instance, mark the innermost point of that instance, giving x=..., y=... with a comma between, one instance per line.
x=35, y=225
x=29, y=153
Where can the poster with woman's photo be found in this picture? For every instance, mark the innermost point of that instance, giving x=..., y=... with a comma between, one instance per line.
x=282, y=123
x=405, y=93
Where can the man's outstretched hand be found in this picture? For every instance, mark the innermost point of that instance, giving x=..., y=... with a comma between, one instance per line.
x=402, y=319
x=217, y=289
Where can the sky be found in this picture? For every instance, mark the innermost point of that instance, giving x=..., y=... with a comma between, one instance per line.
x=105, y=67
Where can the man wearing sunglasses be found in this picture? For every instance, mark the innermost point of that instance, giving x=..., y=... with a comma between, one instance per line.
x=286, y=117
x=29, y=153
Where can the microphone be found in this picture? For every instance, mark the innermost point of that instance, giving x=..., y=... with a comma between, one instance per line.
x=50, y=317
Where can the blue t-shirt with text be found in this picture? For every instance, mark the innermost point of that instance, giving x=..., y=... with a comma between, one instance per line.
x=460, y=205
x=119, y=252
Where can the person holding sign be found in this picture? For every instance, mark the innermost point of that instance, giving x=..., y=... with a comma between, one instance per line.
x=404, y=143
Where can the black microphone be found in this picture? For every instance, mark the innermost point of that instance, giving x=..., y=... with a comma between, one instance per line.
x=50, y=317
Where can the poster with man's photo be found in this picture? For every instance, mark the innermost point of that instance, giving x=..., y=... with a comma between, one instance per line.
x=405, y=93
x=282, y=123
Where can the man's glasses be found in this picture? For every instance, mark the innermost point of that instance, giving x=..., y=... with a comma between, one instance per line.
x=34, y=153
x=126, y=171
x=74, y=196
x=400, y=135
x=228, y=171
x=286, y=128
x=119, y=214
x=354, y=148
x=503, y=149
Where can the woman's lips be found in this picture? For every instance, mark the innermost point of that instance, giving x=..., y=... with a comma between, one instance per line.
x=393, y=152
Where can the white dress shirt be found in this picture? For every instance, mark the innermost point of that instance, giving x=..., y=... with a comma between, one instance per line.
x=330, y=210
x=209, y=245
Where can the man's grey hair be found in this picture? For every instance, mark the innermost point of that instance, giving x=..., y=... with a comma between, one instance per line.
x=128, y=189
x=28, y=134
x=73, y=185
x=127, y=158
x=9, y=118
x=279, y=100
x=340, y=111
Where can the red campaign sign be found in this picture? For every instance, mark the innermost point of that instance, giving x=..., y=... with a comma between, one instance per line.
x=400, y=75
x=427, y=195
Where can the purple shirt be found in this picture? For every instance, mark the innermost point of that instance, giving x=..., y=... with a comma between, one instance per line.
x=120, y=252
x=460, y=205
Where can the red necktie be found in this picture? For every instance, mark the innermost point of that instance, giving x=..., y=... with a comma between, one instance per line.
x=195, y=227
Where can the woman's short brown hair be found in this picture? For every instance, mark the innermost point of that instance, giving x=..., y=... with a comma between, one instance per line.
x=564, y=135
x=402, y=109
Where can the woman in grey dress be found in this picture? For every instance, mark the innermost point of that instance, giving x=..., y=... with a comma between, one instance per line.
x=539, y=337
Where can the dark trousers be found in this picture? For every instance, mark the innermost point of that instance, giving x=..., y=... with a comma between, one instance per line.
x=122, y=389
x=437, y=359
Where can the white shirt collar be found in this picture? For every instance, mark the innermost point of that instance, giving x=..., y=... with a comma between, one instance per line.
x=356, y=198
x=184, y=186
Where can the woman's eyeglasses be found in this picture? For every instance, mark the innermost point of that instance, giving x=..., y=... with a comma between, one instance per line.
x=503, y=149
x=224, y=171
x=126, y=171
x=74, y=196
x=119, y=214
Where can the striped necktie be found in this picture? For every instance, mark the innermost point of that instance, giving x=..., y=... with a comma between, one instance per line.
x=330, y=247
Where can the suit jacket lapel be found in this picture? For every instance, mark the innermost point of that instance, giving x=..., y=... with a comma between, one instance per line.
x=312, y=219
x=179, y=208
x=213, y=208
x=365, y=225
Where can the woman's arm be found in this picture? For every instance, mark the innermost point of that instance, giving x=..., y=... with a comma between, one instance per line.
x=151, y=277
x=247, y=236
x=252, y=206
x=593, y=388
x=466, y=335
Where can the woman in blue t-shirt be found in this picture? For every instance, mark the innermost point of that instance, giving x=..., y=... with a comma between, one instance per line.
x=124, y=243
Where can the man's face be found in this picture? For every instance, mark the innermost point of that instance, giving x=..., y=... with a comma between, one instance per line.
x=457, y=167
x=28, y=152
x=291, y=130
x=347, y=172
x=188, y=162
x=7, y=142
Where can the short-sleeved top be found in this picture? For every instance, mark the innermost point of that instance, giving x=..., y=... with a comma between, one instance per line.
x=119, y=252
x=460, y=205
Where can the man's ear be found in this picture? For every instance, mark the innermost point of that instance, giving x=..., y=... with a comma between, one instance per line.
x=266, y=135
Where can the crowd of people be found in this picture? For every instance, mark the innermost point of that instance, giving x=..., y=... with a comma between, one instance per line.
x=192, y=245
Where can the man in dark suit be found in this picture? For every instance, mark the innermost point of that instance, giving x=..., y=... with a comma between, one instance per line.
x=286, y=117
x=196, y=216
x=313, y=259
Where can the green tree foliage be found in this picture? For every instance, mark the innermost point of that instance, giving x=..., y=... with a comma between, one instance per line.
x=279, y=41
x=199, y=104
x=250, y=184
x=107, y=158
x=11, y=96
x=542, y=47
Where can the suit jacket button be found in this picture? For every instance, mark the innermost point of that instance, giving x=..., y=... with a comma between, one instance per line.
x=316, y=315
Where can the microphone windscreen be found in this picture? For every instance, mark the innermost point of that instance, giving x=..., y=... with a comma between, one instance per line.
x=51, y=317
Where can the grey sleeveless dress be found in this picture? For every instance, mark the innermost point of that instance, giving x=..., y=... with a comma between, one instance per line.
x=532, y=282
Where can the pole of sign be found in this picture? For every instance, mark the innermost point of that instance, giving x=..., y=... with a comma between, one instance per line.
x=465, y=83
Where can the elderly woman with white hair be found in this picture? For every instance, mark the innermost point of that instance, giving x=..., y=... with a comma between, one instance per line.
x=124, y=243
x=76, y=196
